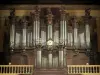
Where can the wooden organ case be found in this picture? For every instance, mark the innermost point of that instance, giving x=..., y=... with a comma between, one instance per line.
x=50, y=38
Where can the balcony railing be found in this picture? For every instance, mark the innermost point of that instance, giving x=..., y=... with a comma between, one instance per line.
x=29, y=69
x=16, y=69
x=83, y=69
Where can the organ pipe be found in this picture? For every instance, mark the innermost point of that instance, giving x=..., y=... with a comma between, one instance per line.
x=34, y=33
x=61, y=32
x=50, y=59
x=24, y=30
x=49, y=19
x=65, y=32
x=61, y=57
x=36, y=26
x=87, y=28
x=70, y=36
x=56, y=36
x=82, y=39
x=12, y=35
x=63, y=28
x=18, y=39
x=28, y=38
x=12, y=28
x=87, y=34
x=49, y=31
x=75, y=33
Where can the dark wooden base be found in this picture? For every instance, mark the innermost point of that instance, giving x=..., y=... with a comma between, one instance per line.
x=50, y=72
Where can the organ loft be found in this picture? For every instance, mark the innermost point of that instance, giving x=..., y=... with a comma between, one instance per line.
x=50, y=38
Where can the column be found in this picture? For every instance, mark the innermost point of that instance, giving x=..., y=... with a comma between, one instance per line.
x=38, y=56
x=50, y=59
x=61, y=58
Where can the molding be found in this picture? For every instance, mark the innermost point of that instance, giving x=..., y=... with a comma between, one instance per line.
x=31, y=7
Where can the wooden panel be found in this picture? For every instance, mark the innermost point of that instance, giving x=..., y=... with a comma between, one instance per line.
x=98, y=33
x=26, y=58
x=80, y=59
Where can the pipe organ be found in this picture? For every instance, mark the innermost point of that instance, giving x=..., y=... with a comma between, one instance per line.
x=12, y=29
x=63, y=27
x=37, y=31
x=75, y=33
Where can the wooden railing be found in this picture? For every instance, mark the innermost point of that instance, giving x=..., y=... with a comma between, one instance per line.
x=16, y=69
x=29, y=69
x=83, y=69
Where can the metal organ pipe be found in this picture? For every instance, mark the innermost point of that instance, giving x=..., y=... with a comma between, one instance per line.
x=12, y=28
x=28, y=38
x=63, y=28
x=36, y=26
x=75, y=35
x=70, y=37
x=65, y=32
x=82, y=39
x=61, y=32
x=56, y=36
x=87, y=32
x=43, y=37
x=49, y=31
x=12, y=35
x=49, y=19
x=37, y=31
x=34, y=31
x=31, y=39
x=18, y=37
x=39, y=40
x=24, y=34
